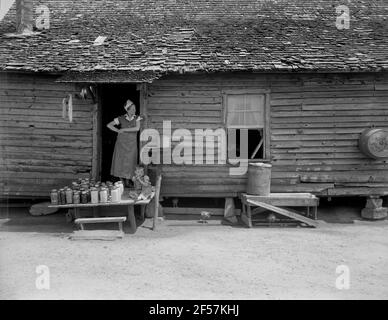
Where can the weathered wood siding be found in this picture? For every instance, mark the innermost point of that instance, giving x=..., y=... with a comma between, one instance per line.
x=315, y=124
x=39, y=149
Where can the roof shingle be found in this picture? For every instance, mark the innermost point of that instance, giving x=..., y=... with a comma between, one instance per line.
x=201, y=35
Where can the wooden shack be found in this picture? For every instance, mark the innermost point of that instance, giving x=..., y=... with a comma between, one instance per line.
x=316, y=88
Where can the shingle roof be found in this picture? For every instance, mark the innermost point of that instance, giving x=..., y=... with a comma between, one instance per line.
x=201, y=35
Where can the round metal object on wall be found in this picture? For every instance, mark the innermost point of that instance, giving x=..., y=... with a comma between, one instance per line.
x=374, y=143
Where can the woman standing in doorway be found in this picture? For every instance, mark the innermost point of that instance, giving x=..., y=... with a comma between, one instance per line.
x=124, y=158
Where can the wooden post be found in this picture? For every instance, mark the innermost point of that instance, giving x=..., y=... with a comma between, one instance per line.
x=249, y=216
x=229, y=212
x=143, y=111
x=131, y=218
x=158, y=185
x=142, y=211
x=97, y=137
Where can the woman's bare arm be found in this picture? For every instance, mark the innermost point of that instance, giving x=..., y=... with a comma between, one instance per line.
x=111, y=126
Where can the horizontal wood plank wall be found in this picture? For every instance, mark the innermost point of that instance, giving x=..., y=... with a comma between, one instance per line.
x=39, y=149
x=315, y=124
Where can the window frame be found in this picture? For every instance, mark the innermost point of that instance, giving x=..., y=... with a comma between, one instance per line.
x=267, y=124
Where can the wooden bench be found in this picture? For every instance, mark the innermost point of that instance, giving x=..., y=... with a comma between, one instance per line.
x=274, y=201
x=125, y=201
x=119, y=220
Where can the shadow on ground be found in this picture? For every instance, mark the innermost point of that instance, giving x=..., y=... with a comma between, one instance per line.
x=16, y=218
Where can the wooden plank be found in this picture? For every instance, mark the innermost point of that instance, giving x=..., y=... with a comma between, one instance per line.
x=245, y=220
x=194, y=211
x=100, y=220
x=46, y=125
x=103, y=204
x=328, y=113
x=291, y=197
x=44, y=132
x=341, y=106
x=357, y=191
x=285, y=212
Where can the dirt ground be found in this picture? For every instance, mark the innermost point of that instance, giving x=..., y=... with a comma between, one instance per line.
x=188, y=260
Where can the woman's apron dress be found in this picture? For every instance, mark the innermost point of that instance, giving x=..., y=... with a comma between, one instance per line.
x=125, y=154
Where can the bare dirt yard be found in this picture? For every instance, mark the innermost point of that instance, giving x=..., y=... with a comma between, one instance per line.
x=188, y=260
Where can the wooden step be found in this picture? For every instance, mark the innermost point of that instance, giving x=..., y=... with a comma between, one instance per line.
x=100, y=220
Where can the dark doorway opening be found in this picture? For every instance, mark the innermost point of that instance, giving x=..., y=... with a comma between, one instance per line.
x=113, y=98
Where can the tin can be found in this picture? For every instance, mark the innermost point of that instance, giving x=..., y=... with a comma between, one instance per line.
x=76, y=197
x=84, y=197
x=54, y=197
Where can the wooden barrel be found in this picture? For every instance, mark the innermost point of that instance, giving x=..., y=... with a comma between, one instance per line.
x=374, y=143
x=259, y=179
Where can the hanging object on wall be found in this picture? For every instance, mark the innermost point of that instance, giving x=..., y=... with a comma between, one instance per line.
x=70, y=112
x=93, y=94
x=374, y=143
x=67, y=108
x=87, y=92
x=84, y=93
x=64, y=107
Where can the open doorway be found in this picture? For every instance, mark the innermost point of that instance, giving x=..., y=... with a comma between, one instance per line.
x=113, y=98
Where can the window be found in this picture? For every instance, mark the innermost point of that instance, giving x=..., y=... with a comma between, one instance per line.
x=247, y=119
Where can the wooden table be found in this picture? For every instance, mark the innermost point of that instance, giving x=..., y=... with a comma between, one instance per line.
x=276, y=202
x=125, y=201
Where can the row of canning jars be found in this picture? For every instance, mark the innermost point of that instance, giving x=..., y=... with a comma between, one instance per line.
x=88, y=192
